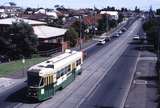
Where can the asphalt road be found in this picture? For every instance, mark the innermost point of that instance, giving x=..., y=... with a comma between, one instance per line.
x=99, y=62
x=113, y=89
x=110, y=91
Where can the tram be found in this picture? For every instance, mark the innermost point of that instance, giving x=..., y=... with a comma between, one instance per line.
x=45, y=78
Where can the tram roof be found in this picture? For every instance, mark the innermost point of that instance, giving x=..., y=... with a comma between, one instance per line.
x=56, y=62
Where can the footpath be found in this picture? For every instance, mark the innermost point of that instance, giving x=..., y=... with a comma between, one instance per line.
x=143, y=92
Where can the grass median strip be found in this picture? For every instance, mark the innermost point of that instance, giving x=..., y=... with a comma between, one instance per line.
x=12, y=67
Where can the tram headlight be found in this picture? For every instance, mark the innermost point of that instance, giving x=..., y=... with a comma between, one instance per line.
x=34, y=94
x=29, y=93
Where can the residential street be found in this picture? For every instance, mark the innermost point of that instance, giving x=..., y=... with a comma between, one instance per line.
x=95, y=68
x=80, y=54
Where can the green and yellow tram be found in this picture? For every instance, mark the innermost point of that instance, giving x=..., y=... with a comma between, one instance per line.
x=45, y=78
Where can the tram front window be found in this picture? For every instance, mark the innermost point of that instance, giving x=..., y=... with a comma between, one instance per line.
x=34, y=80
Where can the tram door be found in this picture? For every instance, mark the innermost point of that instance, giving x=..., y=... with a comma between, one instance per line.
x=49, y=88
x=73, y=70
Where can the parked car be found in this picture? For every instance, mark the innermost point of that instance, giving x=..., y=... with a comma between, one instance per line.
x=136, y=37
x=120, y=32
x=101, y=42
x=123, y=29
x=101, y=39
x=116, y=35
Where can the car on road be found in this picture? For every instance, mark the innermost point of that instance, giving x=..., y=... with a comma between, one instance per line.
x=101, y=42
x=136, y=37
x=116, y=35
x=120, y=32
x=123, y=29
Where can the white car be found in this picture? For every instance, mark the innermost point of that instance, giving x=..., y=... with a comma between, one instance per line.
x=136, y=37
x=120, y=32
x=101, y=42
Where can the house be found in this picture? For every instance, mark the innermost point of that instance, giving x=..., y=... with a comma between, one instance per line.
x=50, y=13
x=9, y=11
x=113, y=14
x=49, y=37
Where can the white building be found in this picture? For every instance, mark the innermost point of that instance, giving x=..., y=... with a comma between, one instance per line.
x=50, y=13
x=113, y=14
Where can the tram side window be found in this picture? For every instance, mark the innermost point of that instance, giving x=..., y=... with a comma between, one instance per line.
x=78, y=62
x=69, y=68
x=58, y=74
x=62, y=71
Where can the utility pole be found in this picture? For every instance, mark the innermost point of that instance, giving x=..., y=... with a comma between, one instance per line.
x=158, y=44
x=107, y=25
x=80, y=32
x=94, y=31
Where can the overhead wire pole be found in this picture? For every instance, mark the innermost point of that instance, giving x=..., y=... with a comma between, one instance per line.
x=107, y=19
x=158, y=51
x=94, y=30
x=80, y=31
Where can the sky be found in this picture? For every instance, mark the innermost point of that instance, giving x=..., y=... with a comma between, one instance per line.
x=142, y=4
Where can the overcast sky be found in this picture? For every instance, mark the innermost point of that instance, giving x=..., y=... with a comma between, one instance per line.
x=143, y=4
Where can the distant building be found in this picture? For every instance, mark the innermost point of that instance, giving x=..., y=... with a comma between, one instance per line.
x=113, y=14
x=9, y=11
x=49, y=37
x=91, y=19
x=51, y=13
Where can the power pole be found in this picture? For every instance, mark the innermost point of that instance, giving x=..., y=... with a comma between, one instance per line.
x=94, y=31
x=158, y=51
x=107, y=25
x=80, y=32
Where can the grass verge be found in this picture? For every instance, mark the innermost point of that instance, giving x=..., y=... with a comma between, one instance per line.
x=15, y=66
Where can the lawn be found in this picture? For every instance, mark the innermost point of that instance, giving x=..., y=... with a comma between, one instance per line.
x=12, y=67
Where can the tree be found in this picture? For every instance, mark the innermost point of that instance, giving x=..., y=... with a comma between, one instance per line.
x=71, y=36
x=6, y=45
x=112, y=23
x=152, y=29
x=12, y=4
x=102, y=24
x=158, y=11
x=24, y=39
x=137, y=10
x=76, y=26
x=120, y=18
x=124, y=9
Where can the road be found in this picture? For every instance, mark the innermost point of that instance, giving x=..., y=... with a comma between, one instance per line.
x=113, y=89
x=95, y=68
x=110, y=92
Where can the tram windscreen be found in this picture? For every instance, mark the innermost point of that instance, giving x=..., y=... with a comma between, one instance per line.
x=33, y=79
